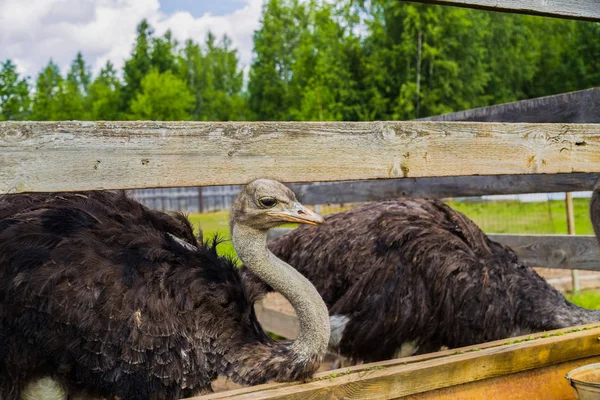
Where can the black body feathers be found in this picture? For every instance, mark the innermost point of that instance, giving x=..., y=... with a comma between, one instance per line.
x=94, y=290
x=416, y=270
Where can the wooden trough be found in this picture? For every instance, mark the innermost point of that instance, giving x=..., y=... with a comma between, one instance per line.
x=527, y=367
x=361, y=162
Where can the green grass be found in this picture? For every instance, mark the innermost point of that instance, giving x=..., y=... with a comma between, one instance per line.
x=526, y=218
x=588, y=298
x=214, y=223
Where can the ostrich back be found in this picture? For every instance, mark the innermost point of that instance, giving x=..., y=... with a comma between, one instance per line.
x=414, y=270
x=94, y=289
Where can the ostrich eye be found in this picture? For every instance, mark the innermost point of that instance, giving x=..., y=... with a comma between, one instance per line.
x=267, y=202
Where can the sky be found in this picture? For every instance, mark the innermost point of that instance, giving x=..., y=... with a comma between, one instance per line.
x=34, y=31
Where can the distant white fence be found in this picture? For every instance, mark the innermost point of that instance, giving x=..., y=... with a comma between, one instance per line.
x=538, y=197
x=190, y=199
x=215, y=198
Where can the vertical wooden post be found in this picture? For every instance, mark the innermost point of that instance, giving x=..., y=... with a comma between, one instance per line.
x=318, y=208
x=200, y=200
x=571, y=231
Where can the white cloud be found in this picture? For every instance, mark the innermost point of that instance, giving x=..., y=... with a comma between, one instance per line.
x=33, y=31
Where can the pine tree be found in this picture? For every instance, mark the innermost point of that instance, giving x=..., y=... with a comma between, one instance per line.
x=282, y=25
x=47, y=89
x=138, y=65
x=14, y=93
x=104, y=95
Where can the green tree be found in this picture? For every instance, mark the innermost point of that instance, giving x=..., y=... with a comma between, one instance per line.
x=138, y=65
x=215, y=78
x=423, y=60
x=163, y=54
x=326, y=65
x=282, y=25
x=14, y=93
x=73, y=91
x=47, y=89
x=104, y=95
x=163, y=97
x=588, y=50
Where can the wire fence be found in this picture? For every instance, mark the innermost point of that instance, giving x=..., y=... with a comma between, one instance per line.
x=537, y=213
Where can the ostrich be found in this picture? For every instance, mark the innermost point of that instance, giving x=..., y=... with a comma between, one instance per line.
x=113, y=299
x=411, y=276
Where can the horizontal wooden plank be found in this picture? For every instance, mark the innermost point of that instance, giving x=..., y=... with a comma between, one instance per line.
x=62, y=156
x=397, y=378
x=582, y=106
x=554, y=251
x=547, y=383
x=440, y=187
x=277, y=322
x=586, y=10
x=548, y=251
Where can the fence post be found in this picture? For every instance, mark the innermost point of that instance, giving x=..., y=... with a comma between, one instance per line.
x=200, y=200
x=571, y=231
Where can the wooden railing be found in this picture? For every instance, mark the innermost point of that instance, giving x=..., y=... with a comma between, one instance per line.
x=67, y=156
x=585, y=10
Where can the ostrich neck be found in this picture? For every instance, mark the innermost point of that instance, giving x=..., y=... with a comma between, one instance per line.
x=251, y=247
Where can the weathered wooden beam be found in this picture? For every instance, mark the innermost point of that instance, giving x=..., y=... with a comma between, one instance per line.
x=582, y=106
x=277, y=322
x=440, y=187
x=546, y=383
x=586, y=10
x=73, y=156
x=406, y=377
x=384, y=364
x=548, y=251
x=554, y=251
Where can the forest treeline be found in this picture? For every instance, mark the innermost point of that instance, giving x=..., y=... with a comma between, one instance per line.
x=314, y=60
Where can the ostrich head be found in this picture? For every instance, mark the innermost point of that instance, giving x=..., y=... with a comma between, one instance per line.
x=265, y=204
x=262, y=205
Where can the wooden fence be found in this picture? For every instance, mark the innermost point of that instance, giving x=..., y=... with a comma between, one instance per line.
x=576, y=107
x=75, y=156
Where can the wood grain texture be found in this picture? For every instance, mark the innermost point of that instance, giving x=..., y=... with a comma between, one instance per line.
x=548, y=251
x=440, y=187
x=547, y=383
x=587, y=10
x=277, y=322
x=582, y=106
x=555, y=251
x=392, y=363
x=73, y=156
x=388, y=381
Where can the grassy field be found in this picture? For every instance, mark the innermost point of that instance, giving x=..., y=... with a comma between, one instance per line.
x=492, y=217
x=517, y=217
x=586, y=298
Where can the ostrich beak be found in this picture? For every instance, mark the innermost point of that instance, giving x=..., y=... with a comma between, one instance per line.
x=299, y=214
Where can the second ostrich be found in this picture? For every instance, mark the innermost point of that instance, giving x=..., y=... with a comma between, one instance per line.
x=114, y=299
x=409, y=276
